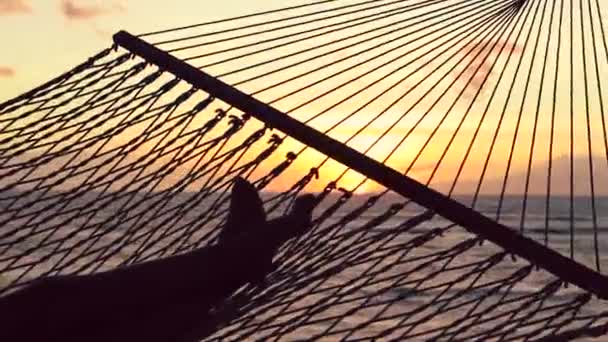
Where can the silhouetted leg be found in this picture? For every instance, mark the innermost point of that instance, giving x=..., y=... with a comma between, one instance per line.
x=140, y=297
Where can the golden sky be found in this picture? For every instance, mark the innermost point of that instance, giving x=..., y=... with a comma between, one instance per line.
x=42, y=38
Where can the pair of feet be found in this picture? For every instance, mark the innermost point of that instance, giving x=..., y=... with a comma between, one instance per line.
x=247, y=221
x=247, y=215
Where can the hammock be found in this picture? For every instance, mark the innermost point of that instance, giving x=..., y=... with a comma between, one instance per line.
x=130, y=156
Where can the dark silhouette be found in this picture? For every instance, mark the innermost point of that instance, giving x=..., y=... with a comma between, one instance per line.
x=161, y=300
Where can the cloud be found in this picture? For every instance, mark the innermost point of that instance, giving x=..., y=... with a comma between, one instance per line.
x=14, y=7
x=480, y=67
x=79, y=11
x=6, y=72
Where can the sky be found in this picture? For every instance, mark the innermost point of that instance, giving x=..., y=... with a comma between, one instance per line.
x=43, y=38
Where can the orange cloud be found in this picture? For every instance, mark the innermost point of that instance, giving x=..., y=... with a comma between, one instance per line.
x=6, y=72
x=79, y=11
x=14, y=7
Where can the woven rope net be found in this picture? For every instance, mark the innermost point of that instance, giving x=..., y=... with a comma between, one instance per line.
x=119, y=162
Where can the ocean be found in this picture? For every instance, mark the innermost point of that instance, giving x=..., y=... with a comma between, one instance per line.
x=370, y=277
